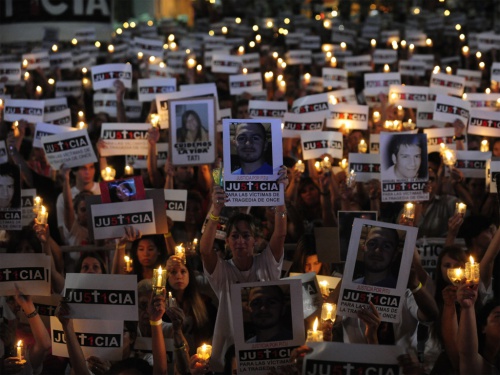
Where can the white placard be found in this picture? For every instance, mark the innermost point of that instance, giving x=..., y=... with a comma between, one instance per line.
x=350, y=116
x=124, y=139
x=43, y=129
x=494, y=175
x=63, y=60
x=250, y=60
x=425, y=116
x=104, y=76
x=23, y=109
x=483, y=101
x=55, y=105
x=27, y=198
x=482, y=122
x=333, y=77
x=264, y=108
x=37, y=60
x=244, y=185
x=385, y=56
x=311, y=293
x=62, y=118
x=296, y=124
x=412, y=68
x=453, y=85
x=12, y=72
x=110, y=219
x=360, y=63
x=100, y=338
x=140, y=161
x=495, y=71
x=389, y=293
x=327, y=357
x=374, y=145
x=252, y=354
x=30, y=273
x=106, y=296
x=225, y=63
x=68, y=88
x=407, y=96
x=133, y=108
x=381, y=81
x=472, y=77
x=317, y=144
x=403, y=166
x=86, y=34
x=472, y=163
x=437, y=136
x=366, y=166
x=487, y=41
x=71, y=148
x=298, y=57
x=149, y=47
x=175, y=204
x=241, y=83
x=449, y=109
x=148, y=88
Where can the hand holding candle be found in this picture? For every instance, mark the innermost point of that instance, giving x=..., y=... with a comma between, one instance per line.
x=42, y=215
x=159, y=280
x=472, y=271
x=460, y=208
x=204, y=352
x=300, y=166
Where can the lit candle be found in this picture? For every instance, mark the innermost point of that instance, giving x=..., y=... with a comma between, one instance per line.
x=307, y=78
x=485, y=146
x=159, y=279
x=317, y=166
x=268, y=76
x=351, y=179
x=180, y=252
x=328, y=311
x=191, y=63
x=376, y=116
x=323, y=286
x=38, y=89
x=344, y=164
x=409, y=125
x=326, y=164
x=401, y=111
x=82, y=125
x=171, y=300
x=128, y=261
x=204, y=352
x=37, y=203
x=314, y=335
x=155, y=119
x=388, y=124
x=472, y=271
x=195, y=243
x=129, y=170
x=455, y=275
x=42, y=215
x=386, y=68
x=460, y=208
x=19, y=348
x=409, y=211
x=108, y=174
x=15, y=128
x=362, y=146
x=300, y=166
x=449, y=156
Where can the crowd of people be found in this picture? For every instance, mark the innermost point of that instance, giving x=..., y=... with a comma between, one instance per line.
x=453, y=327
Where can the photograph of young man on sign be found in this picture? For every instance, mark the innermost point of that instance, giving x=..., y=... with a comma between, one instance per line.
x=405, y=158
x=253, y=150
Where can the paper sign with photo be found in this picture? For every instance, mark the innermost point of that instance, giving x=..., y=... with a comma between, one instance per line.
x=30, y=274
x=192, y=131
x=437, y=136
x=124, y=139
x=94, y=296
x=483, y=101
x=104, y=76
x=122, y=190
x=403, y=166
x=264, y=108
x=365, y=166
x=349, y=116
x=453, y=85
x=12, y=72
x=99, y=338
x=23, y=109
x=381, y=281
x=225, y=63
x=472, y=163
x=241, y=83
x=486, y=123
x=27, y=214
x=253, y=334
x=109, y=219
x=71, y=148
x=295, y=124
x=148, y=88
x=68, y=88
x=334, y=78
x=449, y=109
x=252, y=159
x=346, y=220
x=316, y=144
x=336, y=357
x=407, y=96
x=311, y=293
x=42, y=130
x=175, y=204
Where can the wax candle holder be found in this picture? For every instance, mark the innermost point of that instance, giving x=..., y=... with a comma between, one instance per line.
x=300, y=166
x=485, y=146
x=455, y=275
x=344, y=164
x=376, y=116
x=409, y=211
x=472, y=271
x=328, y=311
x=180, y=252
x=42, y=215
x=324, y=287
x=313, y=335
x=159, y=280
x=362, y=147
x=37, y=204
x=108, y=174
x=129, y=170
x=204, y=352
x=460, y=208
x=218, y=176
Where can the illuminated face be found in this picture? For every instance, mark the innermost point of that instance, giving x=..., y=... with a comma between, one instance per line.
x=178, y=277
x=241, y=240
x=250, y=142
x=380, y=250
x=123, y=193
x=407, y=161
x=6, y=191
x=91, y=265
x=447, y=263
x=147, y=253
x=266, y=306
x=312, y=264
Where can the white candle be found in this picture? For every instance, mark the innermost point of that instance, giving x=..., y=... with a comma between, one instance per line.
x=159, y=280
x=362, y=146
x=127, y=263
x=204, y=352
x=472, y=271
x=42, y=215
x=323, y=286
x=37, y=203
x=300, y=166
x=344, y=164
x=314, y=335
x=485, y=146
x=376, y=116
x=409, y=210
x=19, y=348
x=460, y=208
x=328, y=311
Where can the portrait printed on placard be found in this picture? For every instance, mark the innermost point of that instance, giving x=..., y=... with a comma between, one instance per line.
x=192, y=131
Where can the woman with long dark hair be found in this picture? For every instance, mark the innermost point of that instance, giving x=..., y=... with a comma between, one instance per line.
x=191, y=129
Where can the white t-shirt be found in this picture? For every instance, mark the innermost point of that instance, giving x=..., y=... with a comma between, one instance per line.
x=264, y=268
x=60, y=206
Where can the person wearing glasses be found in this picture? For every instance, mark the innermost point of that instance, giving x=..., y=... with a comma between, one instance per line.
x=251, y=145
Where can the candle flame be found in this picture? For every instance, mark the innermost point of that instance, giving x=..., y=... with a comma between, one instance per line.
x=471, y=260
x=204, y=346
x=20, y=343
x=323, y=283
x=127, y=259
x=329, y=307
x=159, y=270
x=315, y=325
